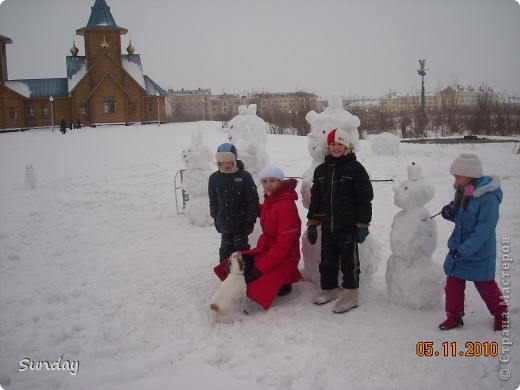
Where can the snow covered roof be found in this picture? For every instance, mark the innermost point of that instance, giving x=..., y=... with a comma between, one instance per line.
x=152, y=87
x=183, y=92
x=39, y=88
x=132, y=64
x=76, y=69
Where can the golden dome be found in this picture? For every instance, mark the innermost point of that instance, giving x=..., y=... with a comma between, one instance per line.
x=130, y=49
x=104, y=44
x=74, y=50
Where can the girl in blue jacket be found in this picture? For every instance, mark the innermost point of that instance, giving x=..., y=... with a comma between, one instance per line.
x=472, y=244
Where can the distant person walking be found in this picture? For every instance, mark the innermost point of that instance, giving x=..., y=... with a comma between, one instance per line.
x=63, y=126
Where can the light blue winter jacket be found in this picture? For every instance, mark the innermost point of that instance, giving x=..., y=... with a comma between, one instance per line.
x=474, y=233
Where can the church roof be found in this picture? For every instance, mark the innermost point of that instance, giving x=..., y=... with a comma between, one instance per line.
x=39, y=88
x=152, y=87
x=101, y=18
x=76, y=69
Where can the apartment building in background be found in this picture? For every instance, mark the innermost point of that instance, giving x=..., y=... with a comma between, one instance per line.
x=459, y=96
x=200, y=104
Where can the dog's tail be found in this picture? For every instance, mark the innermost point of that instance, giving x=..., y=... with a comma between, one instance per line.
x=213, y=311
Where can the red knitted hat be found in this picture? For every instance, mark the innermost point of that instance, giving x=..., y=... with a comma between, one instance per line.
x=341, y=137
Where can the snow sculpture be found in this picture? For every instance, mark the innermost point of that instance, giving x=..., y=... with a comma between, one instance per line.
x=197, y=159
x=30, y=177
x=248, y=132
x=385, y=144
x=412, y=278
x=322, y=124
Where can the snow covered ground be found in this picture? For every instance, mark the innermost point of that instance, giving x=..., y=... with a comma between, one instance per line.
x=97, y=268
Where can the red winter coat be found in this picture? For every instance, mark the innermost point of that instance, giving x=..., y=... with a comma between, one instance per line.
x=277, y=252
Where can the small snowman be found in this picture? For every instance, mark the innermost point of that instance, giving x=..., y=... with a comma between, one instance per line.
x=30, y=177
x=248, y=132
x=197, y=159
x=412, y=279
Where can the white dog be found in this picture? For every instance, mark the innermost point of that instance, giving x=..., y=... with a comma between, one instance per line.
x=232, y=287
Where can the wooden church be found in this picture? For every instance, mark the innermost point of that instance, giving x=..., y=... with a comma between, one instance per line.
x=103, y=86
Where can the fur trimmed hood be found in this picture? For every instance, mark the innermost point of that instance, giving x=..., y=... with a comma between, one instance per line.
x=488, y=184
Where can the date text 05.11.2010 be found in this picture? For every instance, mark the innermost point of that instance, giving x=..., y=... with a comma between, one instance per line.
x=449, y=349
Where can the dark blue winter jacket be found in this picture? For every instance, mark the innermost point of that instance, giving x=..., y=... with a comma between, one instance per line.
x=341, y=194
x=233, y=200
x=474, y=233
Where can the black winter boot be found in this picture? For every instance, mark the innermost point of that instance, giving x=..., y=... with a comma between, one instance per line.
x=284, y=290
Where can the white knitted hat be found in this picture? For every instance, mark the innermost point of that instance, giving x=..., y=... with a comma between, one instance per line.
x=467, y=165
x=271, y=171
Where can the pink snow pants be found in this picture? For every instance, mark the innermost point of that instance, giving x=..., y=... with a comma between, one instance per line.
x=488, y=290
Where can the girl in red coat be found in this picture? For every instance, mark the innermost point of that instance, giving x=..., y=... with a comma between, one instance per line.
x=272, y=267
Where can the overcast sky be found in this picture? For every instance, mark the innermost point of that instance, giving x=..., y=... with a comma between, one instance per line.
x=355, y=47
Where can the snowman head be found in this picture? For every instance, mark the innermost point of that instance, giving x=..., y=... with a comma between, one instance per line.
x=247, y=126
x=333, y=117
x=414, y=192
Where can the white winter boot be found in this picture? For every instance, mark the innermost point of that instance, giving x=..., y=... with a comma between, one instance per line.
x=348, y=300
x=326, y=296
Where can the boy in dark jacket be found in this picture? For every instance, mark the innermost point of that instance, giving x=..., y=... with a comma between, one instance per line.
x=341, y=202
x=233, y=201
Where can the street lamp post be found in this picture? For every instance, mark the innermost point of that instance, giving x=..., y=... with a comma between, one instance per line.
x=290, y=119
x=158, y=110
x=51, y=99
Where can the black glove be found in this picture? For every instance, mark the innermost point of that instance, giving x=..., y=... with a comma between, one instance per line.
x=455, y=255
x=448, y=211
x=252, y=275
x=361, y=234
x=312, y=234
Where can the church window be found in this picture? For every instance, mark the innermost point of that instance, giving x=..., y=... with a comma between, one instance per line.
x=109, y=106
x=133, y=107
x=30, y=111
x=149, y=107
x=45, y=111
x=12, y=113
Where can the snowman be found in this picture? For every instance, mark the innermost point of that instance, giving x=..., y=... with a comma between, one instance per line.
x=333, y=117
x=247, y=131
x=413, y=280
x=197, y=159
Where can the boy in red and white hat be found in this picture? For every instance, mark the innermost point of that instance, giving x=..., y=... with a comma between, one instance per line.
x=341, y=202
